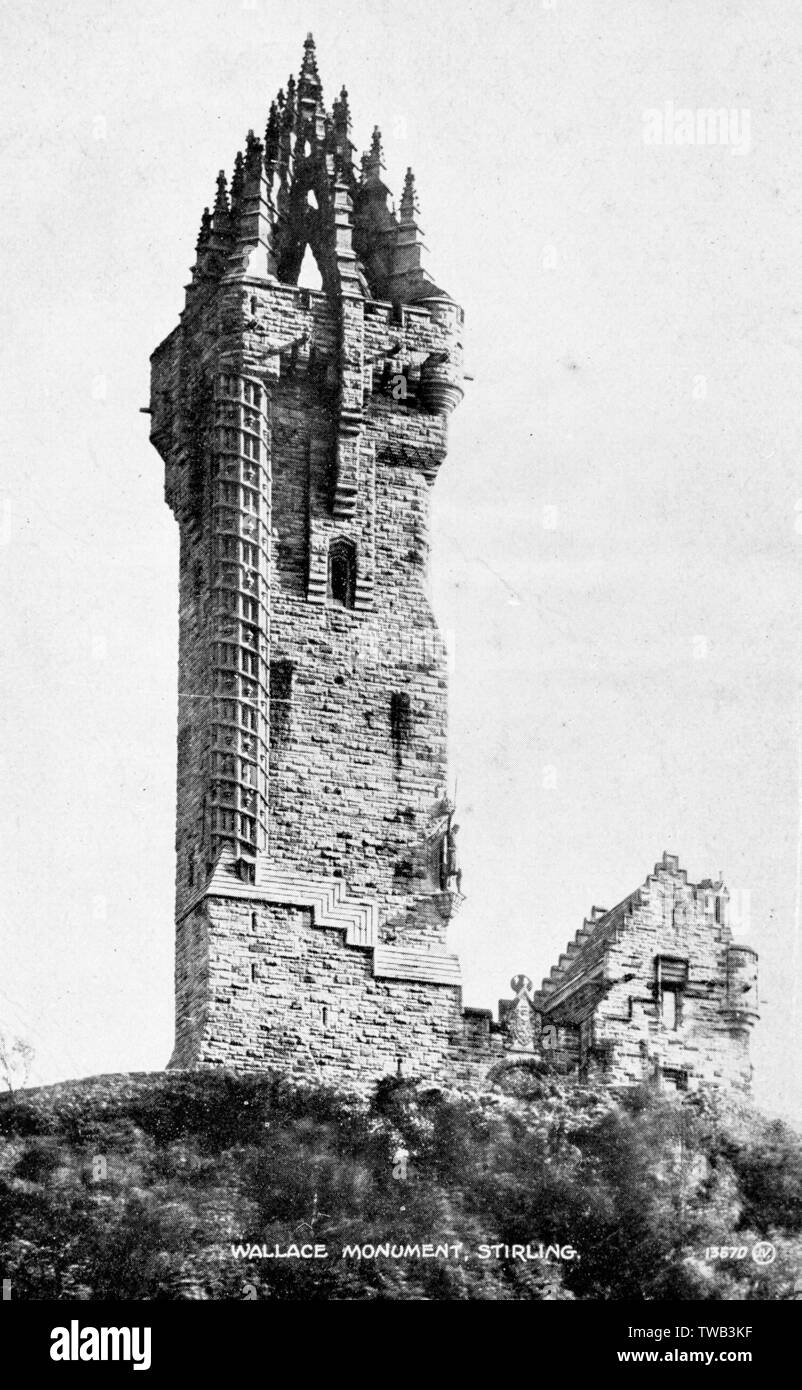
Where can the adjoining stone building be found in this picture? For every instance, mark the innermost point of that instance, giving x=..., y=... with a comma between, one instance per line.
x=302, y=432
x=656, y=987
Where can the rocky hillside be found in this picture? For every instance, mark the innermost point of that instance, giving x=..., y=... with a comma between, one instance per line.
x=210, y=1185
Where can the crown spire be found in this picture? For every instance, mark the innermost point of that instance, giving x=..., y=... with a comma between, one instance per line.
x=265, y=209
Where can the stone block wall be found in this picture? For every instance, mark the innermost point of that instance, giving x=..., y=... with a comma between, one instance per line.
x=356, y=790
x=656, y=988
x=263, y=986
x=348, y=794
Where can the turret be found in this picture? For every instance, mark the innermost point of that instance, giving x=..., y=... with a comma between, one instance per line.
x=741, y=1004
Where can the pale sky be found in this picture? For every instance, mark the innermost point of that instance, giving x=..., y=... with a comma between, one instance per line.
x=626, y=675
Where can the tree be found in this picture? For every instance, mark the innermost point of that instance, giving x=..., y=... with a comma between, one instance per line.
x=16, y=1060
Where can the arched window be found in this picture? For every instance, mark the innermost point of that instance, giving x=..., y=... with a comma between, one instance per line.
x=342, y=573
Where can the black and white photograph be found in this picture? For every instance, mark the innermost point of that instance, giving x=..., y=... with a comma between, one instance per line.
x=401, y=798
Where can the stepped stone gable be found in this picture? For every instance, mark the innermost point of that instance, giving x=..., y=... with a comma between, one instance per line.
x=302, y=432
x=656, y=987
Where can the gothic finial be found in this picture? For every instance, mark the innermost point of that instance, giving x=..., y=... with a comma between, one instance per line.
x=341, y=132
x=237, y=185
x=309, y=88
x=309, y=71
x=288, y=114
x=408, y=277
x=214, y=240
x=373, y=161
x=409, y=198
x=253, y=153
x=221, y=217
x=271, y=135
x=221, y=197
x=341, y=113
x=205, y=232
x=252, y=253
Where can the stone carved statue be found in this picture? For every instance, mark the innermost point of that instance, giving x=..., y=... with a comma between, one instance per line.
x=451, y=874
x=520, y=1019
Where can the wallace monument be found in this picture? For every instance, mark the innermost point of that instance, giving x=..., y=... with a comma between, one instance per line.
x=302, y=433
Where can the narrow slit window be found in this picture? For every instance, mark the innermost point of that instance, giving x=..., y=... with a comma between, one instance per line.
x=342, y=573
x=281, y=675
x=669, y=1008
x=672, y=979
x=400, y=723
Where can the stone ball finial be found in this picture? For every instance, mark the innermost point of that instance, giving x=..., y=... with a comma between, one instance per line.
x=521, y=984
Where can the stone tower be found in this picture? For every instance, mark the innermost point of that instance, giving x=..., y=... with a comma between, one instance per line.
x=302, y=432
